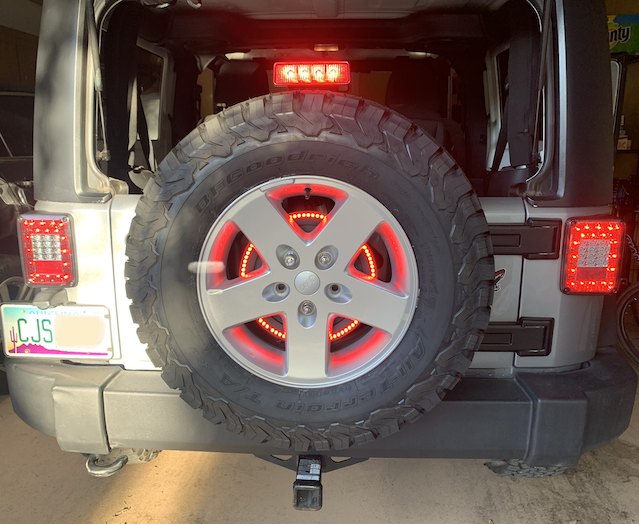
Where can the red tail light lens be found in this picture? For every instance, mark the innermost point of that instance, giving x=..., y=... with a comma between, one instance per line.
x=46, y=245
x=316, y=73
x=592, y=255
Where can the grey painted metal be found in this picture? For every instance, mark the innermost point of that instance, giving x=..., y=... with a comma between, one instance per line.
x=503, y=210
x=584, y=154
x=505, y=306
x=63, y=107
x=63, y=401
x=94, y=256
x=133, y=352
x=355, y=217
x=100, y=241
x=577, y=318
x=492, y=364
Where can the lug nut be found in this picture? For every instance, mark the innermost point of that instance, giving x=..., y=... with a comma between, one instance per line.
x=307, y=307
x=324, y=258
x=290, y=259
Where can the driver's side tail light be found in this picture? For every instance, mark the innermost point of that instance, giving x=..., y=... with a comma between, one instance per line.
x=46, y=248
x=592, y=255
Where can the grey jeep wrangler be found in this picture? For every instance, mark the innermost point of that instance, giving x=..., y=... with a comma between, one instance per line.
x=316, y=231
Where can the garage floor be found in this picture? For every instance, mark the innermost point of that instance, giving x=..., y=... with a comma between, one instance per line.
x=40, y=483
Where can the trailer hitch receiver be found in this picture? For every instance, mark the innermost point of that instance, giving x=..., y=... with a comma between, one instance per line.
x=307, y=488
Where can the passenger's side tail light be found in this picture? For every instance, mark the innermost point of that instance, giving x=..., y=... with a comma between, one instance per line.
x=592, y=255
x=46, y=247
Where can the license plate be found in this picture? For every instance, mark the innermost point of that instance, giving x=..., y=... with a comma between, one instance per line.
x=64, y=331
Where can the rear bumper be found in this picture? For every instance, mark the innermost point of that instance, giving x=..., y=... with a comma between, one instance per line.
x=546, y=419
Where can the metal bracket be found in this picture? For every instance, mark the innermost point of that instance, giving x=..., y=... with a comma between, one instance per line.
x=328, y=463
x=535, y=240
x=50, y=297
x=528, y=337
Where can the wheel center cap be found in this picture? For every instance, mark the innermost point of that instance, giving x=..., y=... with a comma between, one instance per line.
x=307, y=282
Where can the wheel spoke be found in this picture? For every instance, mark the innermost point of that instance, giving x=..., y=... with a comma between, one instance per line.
x=349, y=227
x=264, y=226
x=306, y=350
x=374, y=305
x=239, y=303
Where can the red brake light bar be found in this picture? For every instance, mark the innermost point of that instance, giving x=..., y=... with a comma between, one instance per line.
x=311, y=73
x=46, y=246
x=592, y=255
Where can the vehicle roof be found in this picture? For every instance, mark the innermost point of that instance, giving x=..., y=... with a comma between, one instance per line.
x=310, y=9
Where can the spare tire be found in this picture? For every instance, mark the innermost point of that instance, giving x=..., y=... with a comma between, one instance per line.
x=311, y=270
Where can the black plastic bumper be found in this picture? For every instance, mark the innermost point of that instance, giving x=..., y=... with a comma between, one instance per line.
x=543, y=418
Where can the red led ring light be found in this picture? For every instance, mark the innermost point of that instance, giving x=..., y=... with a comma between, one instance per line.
x=282, y=334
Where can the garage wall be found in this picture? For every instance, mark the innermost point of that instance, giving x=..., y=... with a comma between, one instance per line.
x=626, y=161
x=17, y=56
x=19, y=27
x=622, y=7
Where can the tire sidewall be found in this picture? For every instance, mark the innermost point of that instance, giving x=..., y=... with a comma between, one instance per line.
x=218, y=183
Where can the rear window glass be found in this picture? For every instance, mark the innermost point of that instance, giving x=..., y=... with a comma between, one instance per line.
x=16, y=124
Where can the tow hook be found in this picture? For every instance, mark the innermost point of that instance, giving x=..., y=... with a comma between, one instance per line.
x=103, y=466
x=307, y=488
x=101, y=471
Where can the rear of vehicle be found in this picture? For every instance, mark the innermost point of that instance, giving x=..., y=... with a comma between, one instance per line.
x=425, y=164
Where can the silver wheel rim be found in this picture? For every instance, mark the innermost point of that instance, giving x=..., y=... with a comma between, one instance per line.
x=307, y=306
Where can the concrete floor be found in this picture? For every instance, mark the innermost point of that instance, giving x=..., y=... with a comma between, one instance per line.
x=39, y=483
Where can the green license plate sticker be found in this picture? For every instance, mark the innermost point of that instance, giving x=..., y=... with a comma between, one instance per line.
x=78, y=331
